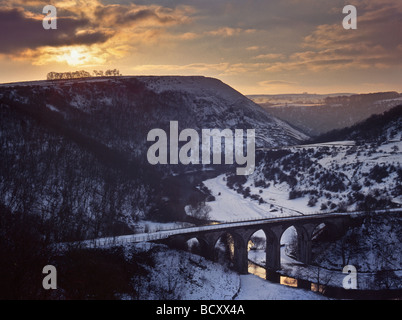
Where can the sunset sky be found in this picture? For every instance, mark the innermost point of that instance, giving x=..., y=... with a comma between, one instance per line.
x=258, y=47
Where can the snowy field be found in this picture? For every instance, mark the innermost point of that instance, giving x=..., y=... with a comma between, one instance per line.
x=230, y=205
x=254, y=288
x=179, y=275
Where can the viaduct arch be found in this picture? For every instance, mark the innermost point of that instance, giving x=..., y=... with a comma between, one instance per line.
x=273, y=231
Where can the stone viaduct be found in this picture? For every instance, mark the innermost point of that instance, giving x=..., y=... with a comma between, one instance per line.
x=241, y=232
x=273, y=229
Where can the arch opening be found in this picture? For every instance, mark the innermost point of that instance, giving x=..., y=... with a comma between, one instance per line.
x=257, y=253
x=198, y=246
x=289, y=252
x=194, y=246
x=224, y=250
x=289, y=246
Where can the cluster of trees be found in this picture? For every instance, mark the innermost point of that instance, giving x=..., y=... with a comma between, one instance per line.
x=371, y=245
x=79, y=187
x=107, y=73
x=80, y=165
x=236, y=183
x=68, y=75
x=199, y=211
x=82, y=74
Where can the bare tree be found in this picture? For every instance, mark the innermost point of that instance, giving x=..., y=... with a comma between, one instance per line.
x=200, y=211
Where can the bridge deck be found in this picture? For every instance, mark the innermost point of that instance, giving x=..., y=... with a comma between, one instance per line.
x=164, y=234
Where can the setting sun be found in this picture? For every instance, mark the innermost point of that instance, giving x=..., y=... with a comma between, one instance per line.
x=74, y=56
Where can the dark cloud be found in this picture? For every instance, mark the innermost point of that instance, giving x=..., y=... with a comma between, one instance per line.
x=119, y=15
x=24, y=32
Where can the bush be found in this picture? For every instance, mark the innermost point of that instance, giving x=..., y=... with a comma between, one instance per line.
x=246, y=192
x=312, y=201
x=210, y=198
x=294, y=194
x=356, y=187
x=378, y=173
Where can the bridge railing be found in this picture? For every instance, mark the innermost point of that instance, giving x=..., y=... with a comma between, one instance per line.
x=166, y=233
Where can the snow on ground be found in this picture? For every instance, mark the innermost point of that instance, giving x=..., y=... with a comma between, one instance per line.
x=277, y=196
x=204, y=87
x=182, y=275
x=46, y=83
x=146, y=226
x=384, y=154
x=255, y=288
x=53, y=108
x=230, y=205
x=177, y=275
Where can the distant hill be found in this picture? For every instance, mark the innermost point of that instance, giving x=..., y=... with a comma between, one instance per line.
x=378, y=128
x=294, y=99
x=317, y=114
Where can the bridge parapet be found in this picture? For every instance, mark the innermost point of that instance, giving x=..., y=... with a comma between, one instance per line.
x=273, y=229
x=241, y=232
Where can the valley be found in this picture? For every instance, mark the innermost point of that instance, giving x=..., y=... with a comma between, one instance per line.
x=74, y=160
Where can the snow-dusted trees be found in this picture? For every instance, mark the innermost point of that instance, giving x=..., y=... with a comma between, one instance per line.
x=98, y=73
x=199, y=211
x=82, y=74
x=68, y=75
x=112, y=73
x=372, y=245
x=107, y=73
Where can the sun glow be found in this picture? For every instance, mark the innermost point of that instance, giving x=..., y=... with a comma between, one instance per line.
x=74, y=56
x=70, y=55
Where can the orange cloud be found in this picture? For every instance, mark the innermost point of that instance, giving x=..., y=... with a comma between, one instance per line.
x=117, y=15
x=85, y=29
x=270, y=56
x=229, y=32
x=216, y=69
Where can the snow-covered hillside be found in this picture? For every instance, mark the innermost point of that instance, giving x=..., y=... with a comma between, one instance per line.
x=325, y=177
x=138, y=104
x=312, y=180
x=363, y=174
x=74, y=152
x=182, y=275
